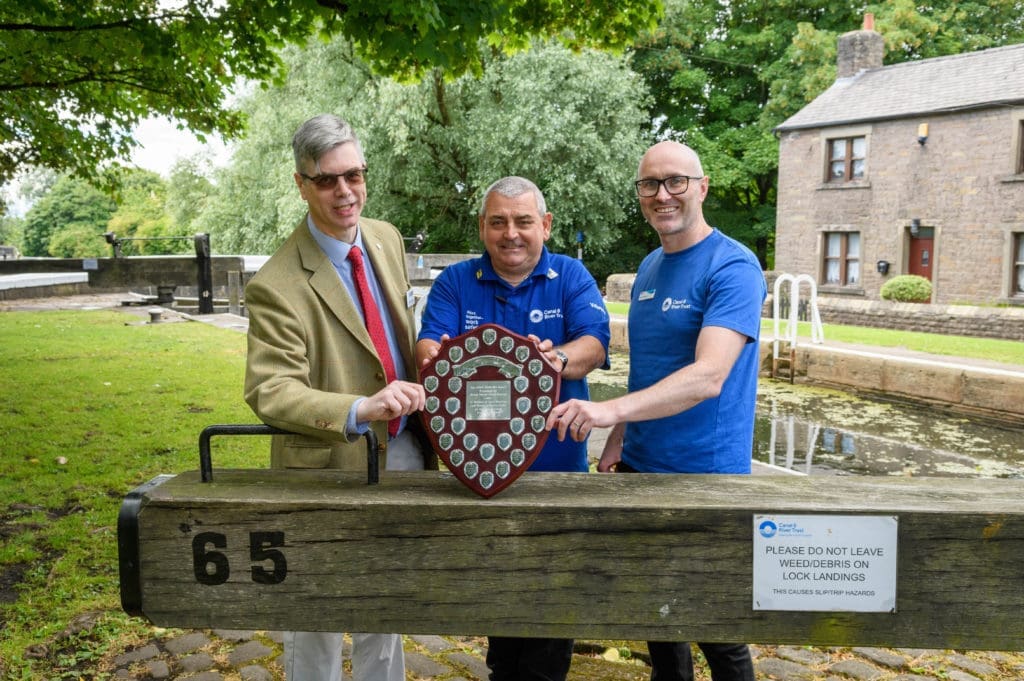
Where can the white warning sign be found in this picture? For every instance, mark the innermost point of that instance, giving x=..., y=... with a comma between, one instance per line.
x=825, y=563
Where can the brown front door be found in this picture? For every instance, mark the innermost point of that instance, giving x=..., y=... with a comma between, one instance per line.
x=921, y=253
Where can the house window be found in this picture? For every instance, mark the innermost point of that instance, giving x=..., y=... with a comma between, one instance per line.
x=842, y=258
x=1018, y=264
x=1020, y=148
x=846, y=159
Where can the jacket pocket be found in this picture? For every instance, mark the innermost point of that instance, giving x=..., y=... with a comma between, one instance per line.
x=299, y=452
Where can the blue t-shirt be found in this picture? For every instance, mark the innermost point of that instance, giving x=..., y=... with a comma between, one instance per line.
x=559, y=301
x=717, y=282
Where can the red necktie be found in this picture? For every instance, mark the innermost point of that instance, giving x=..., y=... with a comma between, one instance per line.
x=374, y=325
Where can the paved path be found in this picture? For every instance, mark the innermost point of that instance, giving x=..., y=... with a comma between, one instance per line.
x=217, y=655
x=253, y=656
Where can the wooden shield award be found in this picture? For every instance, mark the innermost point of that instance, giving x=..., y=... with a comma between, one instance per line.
x=489, y=392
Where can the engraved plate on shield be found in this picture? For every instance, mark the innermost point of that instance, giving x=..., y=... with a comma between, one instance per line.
x=489, y=393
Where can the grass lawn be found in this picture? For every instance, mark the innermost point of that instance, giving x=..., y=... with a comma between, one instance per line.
x=993, y=349
x=91, y=407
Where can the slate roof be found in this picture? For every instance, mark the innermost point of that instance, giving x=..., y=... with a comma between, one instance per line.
x=981, y=79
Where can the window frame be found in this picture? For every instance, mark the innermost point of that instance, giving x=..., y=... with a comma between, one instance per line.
x=848, y=158
x=1019, y=170
x=1017, y=265
x=843, y=259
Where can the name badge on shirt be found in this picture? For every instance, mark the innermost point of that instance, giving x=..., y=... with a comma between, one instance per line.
x=410, y=298
x=646, y=295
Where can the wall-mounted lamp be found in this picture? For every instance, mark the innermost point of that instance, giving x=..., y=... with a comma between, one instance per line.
x=915, y=226
x=922, y=134
x=883, y=267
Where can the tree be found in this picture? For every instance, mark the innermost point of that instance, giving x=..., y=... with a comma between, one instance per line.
x=807, y=66
x=12, y=231
x=142, y=215
x=569, y=121
x=256, y=204
x=76, y=240
x=723, y=74
x=78, y=77
x=70, y=203
x=30, y=183
x=188, y=190
x=70, y=220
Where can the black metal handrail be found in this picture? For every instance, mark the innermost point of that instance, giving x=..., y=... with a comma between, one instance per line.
x=206, y=463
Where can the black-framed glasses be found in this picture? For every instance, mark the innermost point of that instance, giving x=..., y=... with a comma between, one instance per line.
x=677, y=184
x=354, y=177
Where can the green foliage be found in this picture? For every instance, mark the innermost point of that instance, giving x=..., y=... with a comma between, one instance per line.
x=907, y=288
x=142, y=215
x=76, y=240
x=12, y=231
x=70, y=219
x=569, y=121
x=632, y=241
x=188, y=189
x=724, y=74
x=256, y=203
x=71, y=203
x=409, y=40
x=122, y=404
x=15, y=197
x=80, y=76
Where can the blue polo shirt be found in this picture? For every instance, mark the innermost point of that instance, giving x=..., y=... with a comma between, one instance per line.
x=559, y=301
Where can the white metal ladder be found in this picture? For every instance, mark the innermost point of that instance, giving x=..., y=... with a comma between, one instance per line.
x=789, y=335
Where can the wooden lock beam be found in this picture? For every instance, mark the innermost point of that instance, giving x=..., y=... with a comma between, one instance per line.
x=633, y=557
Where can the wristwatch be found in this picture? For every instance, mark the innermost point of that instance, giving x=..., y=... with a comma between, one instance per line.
x=564, y=357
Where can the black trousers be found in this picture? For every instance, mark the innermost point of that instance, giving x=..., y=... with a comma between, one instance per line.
x=674, y=661
x=528, y=659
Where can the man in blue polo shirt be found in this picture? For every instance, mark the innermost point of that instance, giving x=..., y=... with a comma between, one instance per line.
x=520, y=285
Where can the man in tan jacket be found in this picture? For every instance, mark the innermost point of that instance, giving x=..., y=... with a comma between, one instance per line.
x=331, y=354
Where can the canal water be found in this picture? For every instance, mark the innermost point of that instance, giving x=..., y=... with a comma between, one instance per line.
x=820, y=431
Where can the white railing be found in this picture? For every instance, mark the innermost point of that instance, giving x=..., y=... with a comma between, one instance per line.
x=790, y=333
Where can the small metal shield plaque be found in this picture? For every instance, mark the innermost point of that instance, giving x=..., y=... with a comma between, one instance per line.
x=489, y=392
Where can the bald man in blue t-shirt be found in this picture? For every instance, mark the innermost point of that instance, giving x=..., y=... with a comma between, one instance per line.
x=694, y=323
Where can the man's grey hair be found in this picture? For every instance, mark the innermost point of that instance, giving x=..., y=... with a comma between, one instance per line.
x=511, y=187
x=319, y=135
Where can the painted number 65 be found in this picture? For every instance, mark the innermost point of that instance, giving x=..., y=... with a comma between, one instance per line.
x=211, y=566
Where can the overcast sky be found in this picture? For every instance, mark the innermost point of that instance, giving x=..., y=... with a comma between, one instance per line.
x=162, y=144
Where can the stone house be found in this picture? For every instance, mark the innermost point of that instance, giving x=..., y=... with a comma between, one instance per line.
x=914, y=168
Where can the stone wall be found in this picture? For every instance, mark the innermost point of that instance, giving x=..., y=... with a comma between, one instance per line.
x=617, y=287
x=950, y=320
x=424, y=267
x=133, y=272
x=968, y=194
x=974, y=391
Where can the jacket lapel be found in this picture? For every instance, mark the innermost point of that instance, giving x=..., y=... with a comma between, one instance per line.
x=324, y=281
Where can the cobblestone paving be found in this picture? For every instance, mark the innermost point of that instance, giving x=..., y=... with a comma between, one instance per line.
x=254, y=656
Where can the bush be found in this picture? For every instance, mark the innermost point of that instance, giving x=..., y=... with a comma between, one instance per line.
x=907, y=288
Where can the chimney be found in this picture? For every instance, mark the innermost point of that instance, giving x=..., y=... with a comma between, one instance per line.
x=859, y=50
